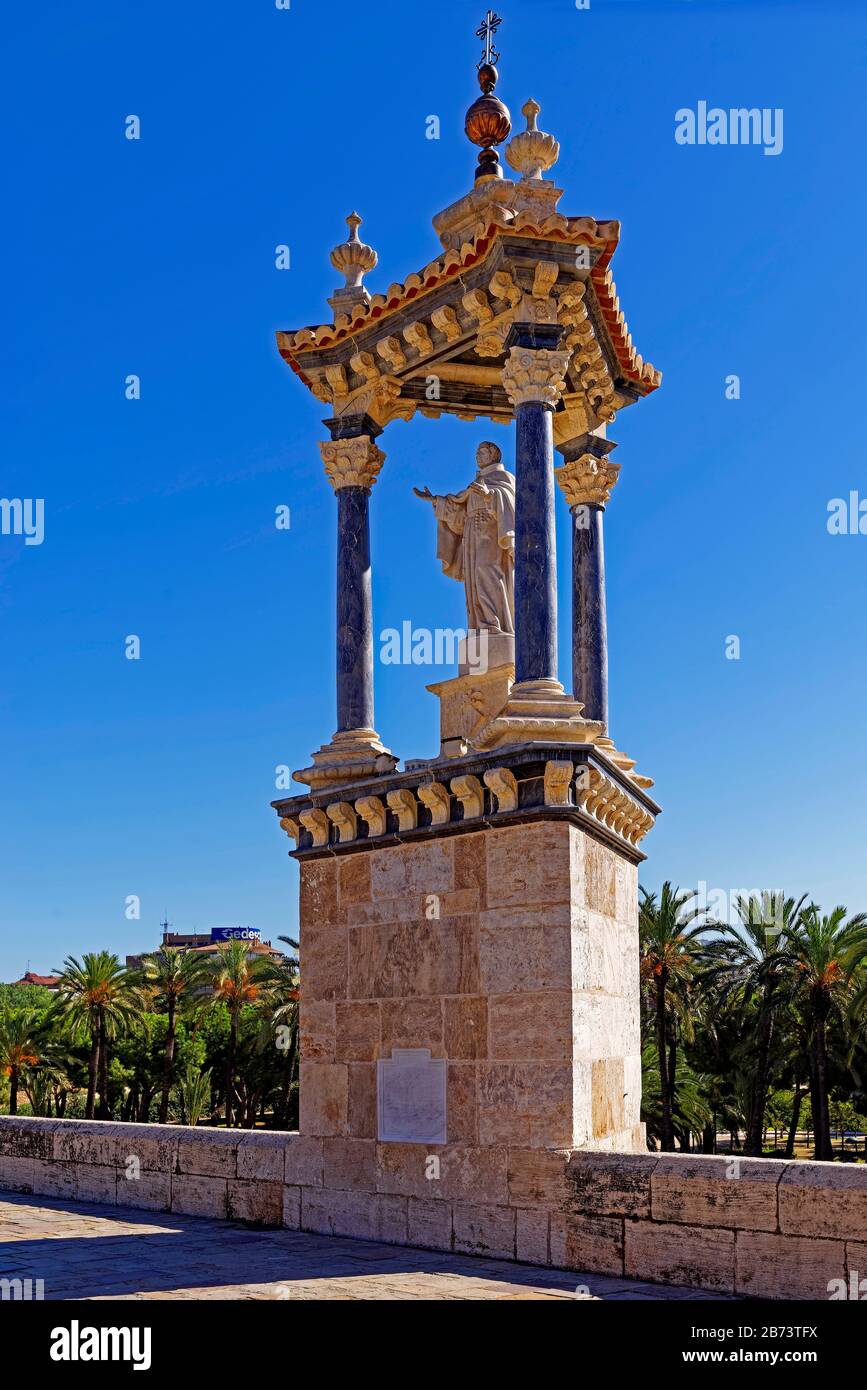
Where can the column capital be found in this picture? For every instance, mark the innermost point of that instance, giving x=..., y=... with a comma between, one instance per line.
x=587, y=480
x=535, y=375
x=351, y=462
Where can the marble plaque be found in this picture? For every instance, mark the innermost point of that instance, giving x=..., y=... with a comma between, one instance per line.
x=411, y=1097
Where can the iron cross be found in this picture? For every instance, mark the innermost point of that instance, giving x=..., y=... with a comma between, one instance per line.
x=490, y=24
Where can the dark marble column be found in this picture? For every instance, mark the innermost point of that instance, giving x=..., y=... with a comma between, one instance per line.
x=355, y=751
x=587, y=477
x=533, y=379
x=352, y=461
x=354, y=611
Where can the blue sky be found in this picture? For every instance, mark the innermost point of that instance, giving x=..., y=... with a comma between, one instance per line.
x=156, y=257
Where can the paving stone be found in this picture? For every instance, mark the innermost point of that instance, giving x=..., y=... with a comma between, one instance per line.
x=84, y=1251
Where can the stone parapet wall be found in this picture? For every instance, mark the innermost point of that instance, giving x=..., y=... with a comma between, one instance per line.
x=756, y=1227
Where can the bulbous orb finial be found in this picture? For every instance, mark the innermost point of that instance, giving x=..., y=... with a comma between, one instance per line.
x=488, y=123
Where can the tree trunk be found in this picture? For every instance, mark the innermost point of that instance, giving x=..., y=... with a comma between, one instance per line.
x=103, y=1112
x=92, y=1069
x=667, y=1127
x=281, y=1116
x=168, y=1064
x=13, y=1090
x=796, y=1115
x=823, y=1136
x=753, y=1144
x=708, y=1138
x=147, y=1096
x=230, y=1068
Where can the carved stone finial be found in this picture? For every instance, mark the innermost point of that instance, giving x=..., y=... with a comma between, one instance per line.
x=353, y=258
x=532, y=151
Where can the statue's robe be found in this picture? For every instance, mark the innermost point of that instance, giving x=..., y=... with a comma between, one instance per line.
x=475, y=543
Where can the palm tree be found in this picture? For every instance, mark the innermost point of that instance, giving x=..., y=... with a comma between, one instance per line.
x=236, y=980
x=821, y=955
x=173, y=977
x=669, y=957
x=100, y=997
x=19, y=1048
x=690, y=1106
x=747, y=958
x=194, y=1089
x=280, y=1026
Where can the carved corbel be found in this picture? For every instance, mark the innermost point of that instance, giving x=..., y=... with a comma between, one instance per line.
x=470, y=794
x=557, y=782
x=391, y=352
x=417, y=335
x=503, y=285
x=316, y=822
x=476, y=304
x=405, y=807
x=446, y=320
x=342, y=814
x=502, y=783
x=292, y=826
x=371, y=810
x=545, y=278
x=436, y=798
x=364, y=363
x=336, y=378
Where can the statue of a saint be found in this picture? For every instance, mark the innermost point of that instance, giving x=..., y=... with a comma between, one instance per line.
x=476, y=541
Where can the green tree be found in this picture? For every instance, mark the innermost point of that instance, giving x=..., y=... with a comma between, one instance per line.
x=194, y=1090
x=20, y=1044
x=237, y=978
x=670, y=954
x=174, y=979
x=747, y=958
x=97, y=996
x=280, y=1028
x=821, y=955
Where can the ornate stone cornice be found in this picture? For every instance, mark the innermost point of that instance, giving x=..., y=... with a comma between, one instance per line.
x=535, y=375
x=351, y=462
x=587, y=481
x=589, y=361
x=601, y=792
x=475, y=243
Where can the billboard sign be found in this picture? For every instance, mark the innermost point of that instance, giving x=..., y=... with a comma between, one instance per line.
x=235, y=934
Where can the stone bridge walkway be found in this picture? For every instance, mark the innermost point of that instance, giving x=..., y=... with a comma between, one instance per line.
x=85, y=1251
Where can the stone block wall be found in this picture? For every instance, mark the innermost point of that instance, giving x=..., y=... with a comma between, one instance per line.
x=510, y=952
x=755, y=1227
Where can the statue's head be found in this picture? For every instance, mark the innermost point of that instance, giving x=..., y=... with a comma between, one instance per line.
x=488, y=455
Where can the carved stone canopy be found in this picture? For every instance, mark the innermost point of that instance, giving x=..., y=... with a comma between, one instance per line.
x=445, y=351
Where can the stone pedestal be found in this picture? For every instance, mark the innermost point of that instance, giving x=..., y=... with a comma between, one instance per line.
x=510, y=953
x=467, y=704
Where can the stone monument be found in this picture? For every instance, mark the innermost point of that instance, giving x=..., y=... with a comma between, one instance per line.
x=469, y=924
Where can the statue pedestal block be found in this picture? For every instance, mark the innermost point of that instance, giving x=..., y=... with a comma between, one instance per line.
x=468, y=703
x=505, y=958
x=469, y=1012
